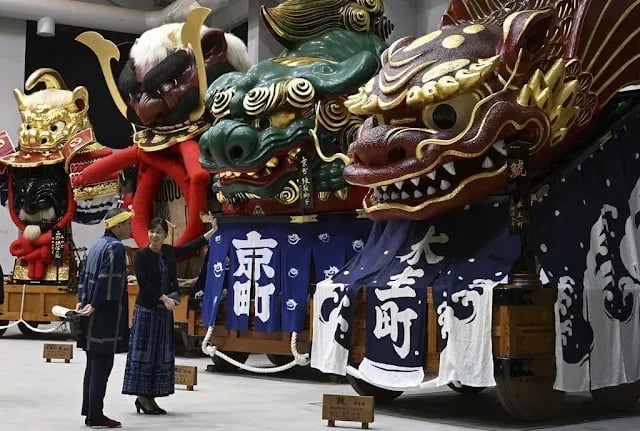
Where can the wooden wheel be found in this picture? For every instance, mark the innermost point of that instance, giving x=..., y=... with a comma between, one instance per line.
x=26, y=331
x=617, y=398
x=3, y=323
x=222, y=365
x=464, y=389
x=382, y=396
x=280, y=360
x=529, y=398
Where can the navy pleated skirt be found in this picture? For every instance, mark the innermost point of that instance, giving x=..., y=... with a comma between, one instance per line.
x=150, y=369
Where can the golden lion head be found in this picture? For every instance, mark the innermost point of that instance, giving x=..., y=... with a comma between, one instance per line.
x=50, y=116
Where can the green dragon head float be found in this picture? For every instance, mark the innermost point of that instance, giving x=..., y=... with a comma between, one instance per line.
x=270, y=120
x=445, y=104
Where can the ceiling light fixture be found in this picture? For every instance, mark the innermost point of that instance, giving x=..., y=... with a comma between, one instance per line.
x=46, y=27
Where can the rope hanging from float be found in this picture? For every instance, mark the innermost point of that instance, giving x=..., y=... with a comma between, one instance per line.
x=301, y=359
x=25, y=323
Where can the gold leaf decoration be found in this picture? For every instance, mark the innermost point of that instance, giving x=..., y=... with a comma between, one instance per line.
x=333, y=115
x=222, y=102
x=300, y=93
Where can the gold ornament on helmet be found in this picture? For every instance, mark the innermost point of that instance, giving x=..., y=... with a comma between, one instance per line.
x=49, y=117
x=106, y=51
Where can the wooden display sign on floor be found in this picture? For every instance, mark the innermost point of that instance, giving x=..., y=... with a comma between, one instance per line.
x=58, y=351
x=186, y=375
x=349, y=408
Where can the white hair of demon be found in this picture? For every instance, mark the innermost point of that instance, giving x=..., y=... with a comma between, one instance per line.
x=160, y=90
x=158, y=43
x=160, y=82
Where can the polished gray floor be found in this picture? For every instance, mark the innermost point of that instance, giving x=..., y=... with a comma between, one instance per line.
x=35, y=396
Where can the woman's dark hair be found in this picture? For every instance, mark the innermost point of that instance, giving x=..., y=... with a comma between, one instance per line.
x=159, y=222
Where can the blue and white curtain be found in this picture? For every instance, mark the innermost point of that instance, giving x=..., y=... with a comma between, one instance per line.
x=273, y=267
x=462, y=255
x=587, y=240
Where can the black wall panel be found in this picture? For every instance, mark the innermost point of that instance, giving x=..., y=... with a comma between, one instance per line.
x=79, y=66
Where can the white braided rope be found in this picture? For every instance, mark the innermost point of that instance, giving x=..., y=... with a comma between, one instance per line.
x=9, y=325
x=298, y=358
x=21, y=320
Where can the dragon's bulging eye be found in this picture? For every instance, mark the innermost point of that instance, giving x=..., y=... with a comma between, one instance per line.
x=264, y=123
x=57, y=126
x=452, y=115
x=444, y=116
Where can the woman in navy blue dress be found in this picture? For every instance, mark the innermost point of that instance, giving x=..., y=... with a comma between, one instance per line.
x=150, y=368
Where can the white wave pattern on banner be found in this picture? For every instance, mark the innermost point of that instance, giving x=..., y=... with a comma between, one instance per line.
x=569, y=376
x=566, y=297
x=612, y=302
x=328, y=356
x=468, y=358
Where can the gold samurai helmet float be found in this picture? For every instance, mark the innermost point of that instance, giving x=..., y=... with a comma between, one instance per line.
x=56, y=141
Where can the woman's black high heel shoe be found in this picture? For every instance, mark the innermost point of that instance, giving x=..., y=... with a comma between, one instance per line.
x=146, y=411
x=157, y=409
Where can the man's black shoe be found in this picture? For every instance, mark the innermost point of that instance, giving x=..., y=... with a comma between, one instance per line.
x=104, y=423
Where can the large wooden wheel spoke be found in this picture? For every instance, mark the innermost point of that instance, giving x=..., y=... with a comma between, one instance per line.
x=529, y=398
x=382, y=396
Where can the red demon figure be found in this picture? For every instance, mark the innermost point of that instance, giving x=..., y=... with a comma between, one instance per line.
x=160, y=91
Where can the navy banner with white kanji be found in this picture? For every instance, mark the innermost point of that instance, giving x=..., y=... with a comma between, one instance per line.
x=586, y=234
x=264, y=271
x=400, y=259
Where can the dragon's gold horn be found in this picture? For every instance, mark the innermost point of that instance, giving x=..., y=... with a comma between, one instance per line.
x=105, y=50
x=191, y=36
x=316, y=142
x=50, y=77
x=323, y=157
x=20, y=98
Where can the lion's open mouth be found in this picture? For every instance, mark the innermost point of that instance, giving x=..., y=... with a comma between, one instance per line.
x=232, y=186
x=265, y=173
x=444, y=181
x=172, y=127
